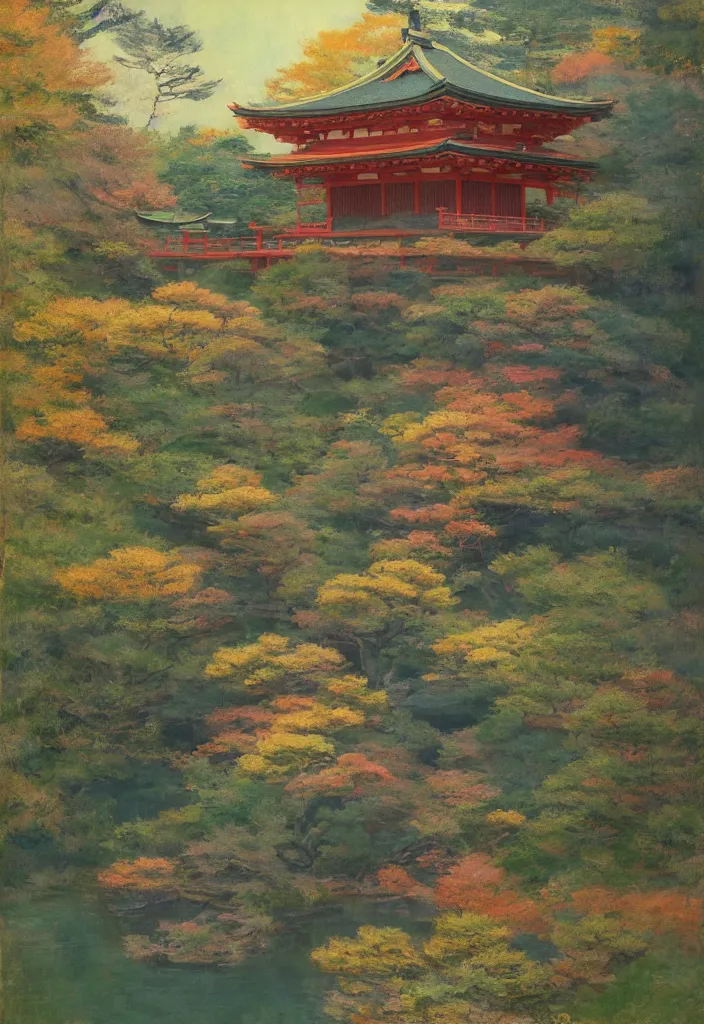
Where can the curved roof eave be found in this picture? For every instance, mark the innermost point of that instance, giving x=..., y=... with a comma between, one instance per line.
x=442, y=90
x=439, y=83
x=450, y=146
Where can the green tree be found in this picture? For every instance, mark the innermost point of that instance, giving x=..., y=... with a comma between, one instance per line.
x=88, y=19
x=203, y=167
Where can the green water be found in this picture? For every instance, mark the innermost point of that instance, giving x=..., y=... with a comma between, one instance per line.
x=64, y=965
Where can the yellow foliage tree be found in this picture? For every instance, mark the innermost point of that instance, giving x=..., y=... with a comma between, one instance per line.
x=190, y=329
x=466, y=971
x=616, y=41
x=373, y=609
x=281, y=753
x=306, y=695
x=272, y=661
x=131, y=574
x=229, y=490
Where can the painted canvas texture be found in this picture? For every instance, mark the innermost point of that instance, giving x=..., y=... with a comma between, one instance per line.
x=351, y=487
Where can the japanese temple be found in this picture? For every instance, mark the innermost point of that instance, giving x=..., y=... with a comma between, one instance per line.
x=425, y=144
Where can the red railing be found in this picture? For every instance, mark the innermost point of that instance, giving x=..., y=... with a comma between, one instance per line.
x=324, y=228
x=483, y=222
x=188, y=244
x=199, y=246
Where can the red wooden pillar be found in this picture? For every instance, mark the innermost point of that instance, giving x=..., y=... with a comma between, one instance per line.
x=493, y=199
x=523, y=205
x=416, y=197
x=328, y=205
x=550, y=196
x=384, y=209
x=186, y=240
x=298, y=204
x=458, y=195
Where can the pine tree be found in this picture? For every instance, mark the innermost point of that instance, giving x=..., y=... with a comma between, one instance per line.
x=158, y=51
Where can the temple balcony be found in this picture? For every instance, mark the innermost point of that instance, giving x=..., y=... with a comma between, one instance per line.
x=199, y=246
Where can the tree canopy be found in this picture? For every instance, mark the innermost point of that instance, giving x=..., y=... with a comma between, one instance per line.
x=350, y=585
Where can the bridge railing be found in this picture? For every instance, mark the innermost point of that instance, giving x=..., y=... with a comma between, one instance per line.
x=187, y=243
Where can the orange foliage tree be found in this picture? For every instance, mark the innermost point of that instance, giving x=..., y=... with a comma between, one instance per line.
x=481, y=449
x=60, y=161
x=337, y=56
x=578, y=67
x=145, y=874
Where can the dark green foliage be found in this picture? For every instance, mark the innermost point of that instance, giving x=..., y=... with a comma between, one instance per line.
x=204, y=169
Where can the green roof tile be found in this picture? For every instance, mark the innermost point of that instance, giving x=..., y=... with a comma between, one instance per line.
x=442, y=73
x=459, y=146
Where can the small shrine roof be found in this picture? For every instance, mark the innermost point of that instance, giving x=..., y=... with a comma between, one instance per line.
x=171, y=217
x=405, y=148
x=423, y=70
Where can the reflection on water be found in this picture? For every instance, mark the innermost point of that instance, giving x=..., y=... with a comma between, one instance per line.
x=64, y=965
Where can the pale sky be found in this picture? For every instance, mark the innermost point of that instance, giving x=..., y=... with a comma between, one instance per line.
x=244, y=42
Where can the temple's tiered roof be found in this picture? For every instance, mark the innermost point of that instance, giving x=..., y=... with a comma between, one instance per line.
x=388, y=151
x=420, y=72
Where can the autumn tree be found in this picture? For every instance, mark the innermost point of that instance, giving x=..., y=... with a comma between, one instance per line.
x=337, y=56
x=131, y=574
x=466, y=967
x=311, y=704
x=46, y=83
x=56, y=77
x=372, y=610
x=251, y=526
x=576, y=67
x=68, y=187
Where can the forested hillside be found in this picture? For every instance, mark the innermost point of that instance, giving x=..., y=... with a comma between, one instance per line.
x=343, y=585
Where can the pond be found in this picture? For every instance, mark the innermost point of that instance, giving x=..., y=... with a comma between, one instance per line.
x=64, y=965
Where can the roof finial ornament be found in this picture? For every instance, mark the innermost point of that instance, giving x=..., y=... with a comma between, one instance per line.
x=415, y=32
